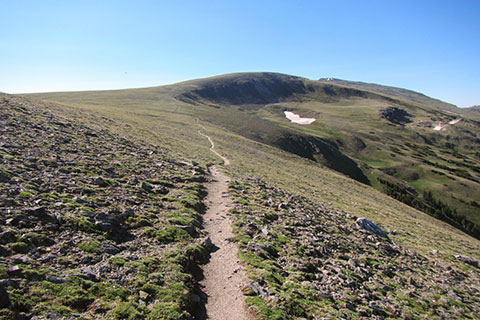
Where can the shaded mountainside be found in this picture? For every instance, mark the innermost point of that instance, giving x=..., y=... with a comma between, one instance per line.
x=263, y=88
x=245, y=88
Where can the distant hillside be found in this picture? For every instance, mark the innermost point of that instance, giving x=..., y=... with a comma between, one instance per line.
x=474, y=108
x=395, y=92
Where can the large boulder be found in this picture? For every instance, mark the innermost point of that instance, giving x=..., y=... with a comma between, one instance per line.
x=467, y=259
x=368, y=225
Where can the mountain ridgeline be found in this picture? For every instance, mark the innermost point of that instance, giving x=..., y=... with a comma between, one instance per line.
x=410, y=144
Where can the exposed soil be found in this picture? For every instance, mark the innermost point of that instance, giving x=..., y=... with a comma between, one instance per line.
x=223, y=274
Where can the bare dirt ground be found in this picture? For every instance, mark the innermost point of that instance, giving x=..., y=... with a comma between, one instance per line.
x=223, y=274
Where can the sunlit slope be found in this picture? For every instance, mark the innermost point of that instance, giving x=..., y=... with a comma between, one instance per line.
x=157, y=115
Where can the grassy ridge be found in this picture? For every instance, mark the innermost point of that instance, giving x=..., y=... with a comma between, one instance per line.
x=155, y=120
x=319, y=196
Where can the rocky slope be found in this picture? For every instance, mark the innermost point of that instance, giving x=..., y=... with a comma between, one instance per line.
x=92, y=225
x=309, y=261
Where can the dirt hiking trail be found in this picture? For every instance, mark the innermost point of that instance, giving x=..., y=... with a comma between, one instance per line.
x=223, y=275
x=226, y=162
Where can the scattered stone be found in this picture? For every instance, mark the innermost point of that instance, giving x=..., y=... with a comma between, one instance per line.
x=54, y=279
x=251, y=229
x=99, y=181
x=325, y=295
x=4, y=177
x=147, y=186
x=143, y=295
x=14, y=271
x=20, y=221
x=387, y=249
x=8, y=237
x=259, y=290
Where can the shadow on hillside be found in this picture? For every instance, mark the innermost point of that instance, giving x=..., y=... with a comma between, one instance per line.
x=199, y=298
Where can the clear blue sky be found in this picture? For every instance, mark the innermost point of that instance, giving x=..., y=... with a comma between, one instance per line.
x=428, y=46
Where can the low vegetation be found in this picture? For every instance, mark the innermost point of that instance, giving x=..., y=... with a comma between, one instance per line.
x=93, y=224
x=102, y=204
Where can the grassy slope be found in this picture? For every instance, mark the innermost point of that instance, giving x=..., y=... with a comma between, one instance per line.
x=161, y=120
x=93, y=223
x=166, y=121
x=398, y=150
x=445, y=163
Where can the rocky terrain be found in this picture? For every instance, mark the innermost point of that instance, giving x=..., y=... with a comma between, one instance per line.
x=308, y=261
x=395, y=115
x=92, y=225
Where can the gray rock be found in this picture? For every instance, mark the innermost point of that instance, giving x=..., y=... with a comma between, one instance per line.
x=467, y=260
x=39, y=212
x=21, y=259
x=387, y=249
x=259, y=289
x=259, y=247
x=101, y=182
x=109, y=248
x=147, y=186
x=107, y=223
x=368, y=225
x=21, y=221
x=15, y=283
x=14, y=271
x=53, y=279
x=325, y=295
x=7, y=237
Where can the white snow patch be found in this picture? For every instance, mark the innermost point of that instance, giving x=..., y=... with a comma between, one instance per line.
x=455, y=121
x=295, y=118
x=439, y=127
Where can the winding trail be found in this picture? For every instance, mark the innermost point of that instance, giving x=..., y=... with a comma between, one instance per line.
x=223, y=274
x=226, y=162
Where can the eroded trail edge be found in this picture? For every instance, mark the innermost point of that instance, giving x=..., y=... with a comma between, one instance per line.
x=223, y=275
